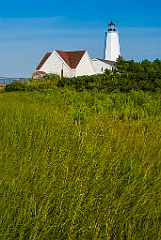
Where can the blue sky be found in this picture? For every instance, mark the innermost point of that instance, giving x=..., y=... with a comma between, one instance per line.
x=30, y=29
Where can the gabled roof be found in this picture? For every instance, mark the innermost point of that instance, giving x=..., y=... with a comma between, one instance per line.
x=71, y=58
x=105, y=61
x=41, y=72
x=47, y=55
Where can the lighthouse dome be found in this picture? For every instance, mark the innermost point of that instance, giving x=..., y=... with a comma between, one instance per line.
x=111, y=24
x=111, y=27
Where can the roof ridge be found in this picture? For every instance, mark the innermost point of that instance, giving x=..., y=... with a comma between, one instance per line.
x=71, y=58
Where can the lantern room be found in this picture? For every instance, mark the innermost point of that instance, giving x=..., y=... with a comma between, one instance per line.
x=111, y=27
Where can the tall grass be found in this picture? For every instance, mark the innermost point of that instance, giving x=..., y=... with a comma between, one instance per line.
x=80, y=165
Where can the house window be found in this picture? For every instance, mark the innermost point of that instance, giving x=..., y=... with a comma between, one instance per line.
x=102, y=69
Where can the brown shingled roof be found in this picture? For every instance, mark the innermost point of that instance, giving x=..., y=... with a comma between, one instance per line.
x=71, y=58
x=47, y=55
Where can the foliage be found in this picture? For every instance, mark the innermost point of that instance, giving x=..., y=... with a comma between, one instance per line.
x=130, y=75
x=52, y=77
x=32, y=85
x=15, y=86
x=80, y=165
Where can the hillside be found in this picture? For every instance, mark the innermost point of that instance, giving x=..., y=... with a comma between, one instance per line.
x=80, y=165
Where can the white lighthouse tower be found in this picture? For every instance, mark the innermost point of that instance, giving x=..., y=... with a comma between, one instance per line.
x=112, y=46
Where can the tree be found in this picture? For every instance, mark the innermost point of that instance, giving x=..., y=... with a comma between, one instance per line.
x=121, y=64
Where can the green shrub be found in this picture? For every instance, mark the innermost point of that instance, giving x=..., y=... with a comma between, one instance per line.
x=130, y=75
x=15, y=86
x=32, y=85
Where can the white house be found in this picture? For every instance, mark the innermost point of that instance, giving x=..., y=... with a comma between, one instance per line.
x=68, y=64
x=100, y=65
x=78, y=63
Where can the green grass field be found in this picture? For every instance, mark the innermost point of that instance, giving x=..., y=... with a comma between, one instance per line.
x=80, y=165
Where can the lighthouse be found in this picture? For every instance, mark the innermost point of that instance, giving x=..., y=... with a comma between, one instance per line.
x=112, y=45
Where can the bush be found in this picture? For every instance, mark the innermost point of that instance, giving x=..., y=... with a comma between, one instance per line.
x=32, y=85
x=15, y=86
x=130, y=75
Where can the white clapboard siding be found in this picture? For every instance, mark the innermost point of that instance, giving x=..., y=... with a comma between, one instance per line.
x=54, y=64
x=85, y=66
x=100, y=66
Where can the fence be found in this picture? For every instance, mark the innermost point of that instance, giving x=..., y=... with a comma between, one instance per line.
x=4, y=80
